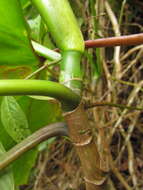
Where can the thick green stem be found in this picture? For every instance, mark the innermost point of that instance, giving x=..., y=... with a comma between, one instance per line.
x=64, y=29
x=70, y=70
x=62, y=23
x=40, y=87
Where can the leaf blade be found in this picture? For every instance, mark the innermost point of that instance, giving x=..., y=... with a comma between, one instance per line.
x=15, y=46
x=6, y=175
x=14, y=119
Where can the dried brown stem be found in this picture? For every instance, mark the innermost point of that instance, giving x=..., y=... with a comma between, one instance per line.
x=117, y=49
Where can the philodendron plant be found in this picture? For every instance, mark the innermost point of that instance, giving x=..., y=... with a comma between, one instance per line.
x=25, y=50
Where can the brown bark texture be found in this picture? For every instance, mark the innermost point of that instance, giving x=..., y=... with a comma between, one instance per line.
x=84, y=142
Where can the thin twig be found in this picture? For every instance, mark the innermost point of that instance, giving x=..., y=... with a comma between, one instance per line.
x=130, y=160
x=119, y=176
x=130, y=100
x=121, y=106
x=130, y=52
x=127, y=138
x=122, y=11
x=116, y=29
x=133, y=62
x=46, y=65
x=131, y=165
x=127, y=83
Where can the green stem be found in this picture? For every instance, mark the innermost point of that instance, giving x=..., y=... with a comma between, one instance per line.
x=62, y=23
x=64, y=29
x=40, y=87
x=46, y=65
x=45, y=52
x=70, y=70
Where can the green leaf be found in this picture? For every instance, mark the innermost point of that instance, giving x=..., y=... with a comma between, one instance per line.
x=5, y=139
x=14, y=119
x=6, y=175
x=35, y=26
x=40, y=112
x=15, y=46
x=25, y=3
x=43, y=113
x=22, y=167
x=15, y=72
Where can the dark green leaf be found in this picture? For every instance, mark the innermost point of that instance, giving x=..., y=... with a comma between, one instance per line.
x=6, y=175
x=25, y=3
x=22, y=167
x=43, y=113
x=40, y=112
x=14, y=119
x=15, y=47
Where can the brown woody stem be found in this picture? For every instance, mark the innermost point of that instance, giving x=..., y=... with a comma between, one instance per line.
x=81, y=136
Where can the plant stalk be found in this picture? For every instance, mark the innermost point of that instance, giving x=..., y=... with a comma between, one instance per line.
x=70, y=74
x=134, y=39
x=40, y=87
x=64, y=29
x=56, y=129
x=83, y=139
x=62, y=23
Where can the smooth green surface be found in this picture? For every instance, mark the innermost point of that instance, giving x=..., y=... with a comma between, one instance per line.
x=40, y=112
x=40, y=87
x=15, y=47
x=43, y=113
x=46, y=52
x=5, y=139
x=62, y=23
x=14, y=119
x=70, y=73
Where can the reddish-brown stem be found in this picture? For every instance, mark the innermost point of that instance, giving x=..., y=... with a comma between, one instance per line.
x=134, y=39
